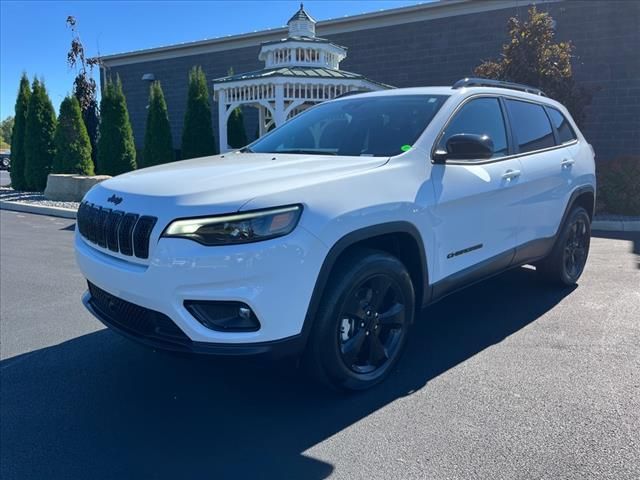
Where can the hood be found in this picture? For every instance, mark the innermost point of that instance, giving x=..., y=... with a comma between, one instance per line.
x=224, y=183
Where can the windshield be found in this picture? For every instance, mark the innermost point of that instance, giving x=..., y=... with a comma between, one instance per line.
x=367, y=126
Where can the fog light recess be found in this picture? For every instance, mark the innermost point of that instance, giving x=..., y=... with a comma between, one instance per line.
x=223, y=316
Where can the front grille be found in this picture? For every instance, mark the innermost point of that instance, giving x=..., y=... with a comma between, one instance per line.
x=127, y=233
x=134, y=319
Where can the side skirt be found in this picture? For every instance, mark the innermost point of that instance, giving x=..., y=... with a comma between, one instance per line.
x=513, y=258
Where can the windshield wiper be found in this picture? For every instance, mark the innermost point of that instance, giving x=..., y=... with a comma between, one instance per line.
x=246, y=150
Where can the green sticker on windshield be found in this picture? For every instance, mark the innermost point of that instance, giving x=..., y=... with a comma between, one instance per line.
x=405, y=148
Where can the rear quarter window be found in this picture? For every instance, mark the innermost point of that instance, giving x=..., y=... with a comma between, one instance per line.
x=530, y=126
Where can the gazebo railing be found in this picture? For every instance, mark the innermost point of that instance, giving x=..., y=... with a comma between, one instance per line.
x=292, y=91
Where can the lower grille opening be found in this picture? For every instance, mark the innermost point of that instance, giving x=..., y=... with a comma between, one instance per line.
x=136, y=320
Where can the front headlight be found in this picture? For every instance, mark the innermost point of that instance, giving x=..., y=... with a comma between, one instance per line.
x=238, y=227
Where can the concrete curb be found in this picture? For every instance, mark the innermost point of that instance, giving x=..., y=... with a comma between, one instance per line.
x=38, y=209
x=616, y=225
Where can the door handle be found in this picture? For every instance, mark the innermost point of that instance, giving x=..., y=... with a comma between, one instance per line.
x=509, y=174
x=567, y=162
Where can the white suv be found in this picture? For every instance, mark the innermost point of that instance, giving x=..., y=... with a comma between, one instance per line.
x=327, y=236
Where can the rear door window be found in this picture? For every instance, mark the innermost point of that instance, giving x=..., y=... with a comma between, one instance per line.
x=530, y=126
x=565, y=131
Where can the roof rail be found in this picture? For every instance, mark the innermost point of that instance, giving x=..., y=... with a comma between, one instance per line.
x=485, y=82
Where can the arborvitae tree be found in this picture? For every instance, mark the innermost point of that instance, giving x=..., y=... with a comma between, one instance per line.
x=39, y=146
x=197, y=133
x=533, y=58
x=236, y=134
x=158, y=144
x=73, y=148
x=116, y=148
x=18, y=181
x=91, y=118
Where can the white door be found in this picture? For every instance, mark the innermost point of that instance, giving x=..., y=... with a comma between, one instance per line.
x=546, y=179
x=477, y=204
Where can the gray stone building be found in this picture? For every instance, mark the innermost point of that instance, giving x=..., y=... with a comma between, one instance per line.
x=429, y=44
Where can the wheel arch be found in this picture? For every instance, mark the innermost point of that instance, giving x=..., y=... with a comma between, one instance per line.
x=584, y=196
x=401, y=239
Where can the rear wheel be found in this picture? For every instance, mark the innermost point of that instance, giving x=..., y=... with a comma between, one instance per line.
x=567, y=260
x=361, y=326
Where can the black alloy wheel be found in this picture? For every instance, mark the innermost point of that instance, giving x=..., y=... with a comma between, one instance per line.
x=566, y=262
x=362, y=322
x=372, y=323
x=576, y=247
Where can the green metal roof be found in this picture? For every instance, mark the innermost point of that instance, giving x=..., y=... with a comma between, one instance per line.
x=297, y=72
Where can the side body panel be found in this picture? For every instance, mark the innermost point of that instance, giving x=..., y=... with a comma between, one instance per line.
x=476, y=214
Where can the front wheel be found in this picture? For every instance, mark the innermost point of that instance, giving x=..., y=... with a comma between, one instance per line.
x=567, y=260
x=362, y=323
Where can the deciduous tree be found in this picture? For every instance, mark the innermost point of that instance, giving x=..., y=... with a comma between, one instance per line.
x=6, y=129
x=534, y=58
x=84, y=86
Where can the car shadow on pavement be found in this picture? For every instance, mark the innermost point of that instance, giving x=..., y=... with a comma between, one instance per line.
x=99, y=406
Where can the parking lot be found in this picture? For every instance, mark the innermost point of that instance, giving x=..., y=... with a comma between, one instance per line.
x=508, y=379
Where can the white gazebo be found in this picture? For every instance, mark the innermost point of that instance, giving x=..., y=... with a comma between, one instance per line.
x=299, y=71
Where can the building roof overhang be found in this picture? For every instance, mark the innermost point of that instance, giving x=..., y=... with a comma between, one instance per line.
x=394, y=16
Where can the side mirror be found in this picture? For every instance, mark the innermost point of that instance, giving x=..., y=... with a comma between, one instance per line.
x=465, y=146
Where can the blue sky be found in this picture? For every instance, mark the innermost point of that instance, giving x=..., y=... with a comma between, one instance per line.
x=35, y=39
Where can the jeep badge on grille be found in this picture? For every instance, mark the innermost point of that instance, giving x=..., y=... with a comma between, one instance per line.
x=114, y=199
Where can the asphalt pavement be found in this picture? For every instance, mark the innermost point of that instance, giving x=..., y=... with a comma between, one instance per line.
x=508, y=379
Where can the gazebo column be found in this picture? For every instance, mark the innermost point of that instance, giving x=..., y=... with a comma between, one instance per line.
x=279, y=116
x=222, y=120
x=261, y=121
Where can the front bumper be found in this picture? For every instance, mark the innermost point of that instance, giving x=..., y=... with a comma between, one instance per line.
x=275, y=278
x=276, y=349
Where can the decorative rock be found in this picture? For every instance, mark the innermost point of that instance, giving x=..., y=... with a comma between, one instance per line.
x=70, y=187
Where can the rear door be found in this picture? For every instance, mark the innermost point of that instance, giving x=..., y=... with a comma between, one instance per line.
x=477, y=207
x=546, y=155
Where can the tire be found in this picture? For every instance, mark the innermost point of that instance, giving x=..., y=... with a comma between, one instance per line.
x=355, y=320
x=5, y=163
x=564, y=265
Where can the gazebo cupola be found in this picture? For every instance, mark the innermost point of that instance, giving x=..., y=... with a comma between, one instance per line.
x=299, y=71
x=301, y=24
x=302, y=47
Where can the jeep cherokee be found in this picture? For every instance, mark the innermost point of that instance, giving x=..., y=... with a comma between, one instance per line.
x=325, y=237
